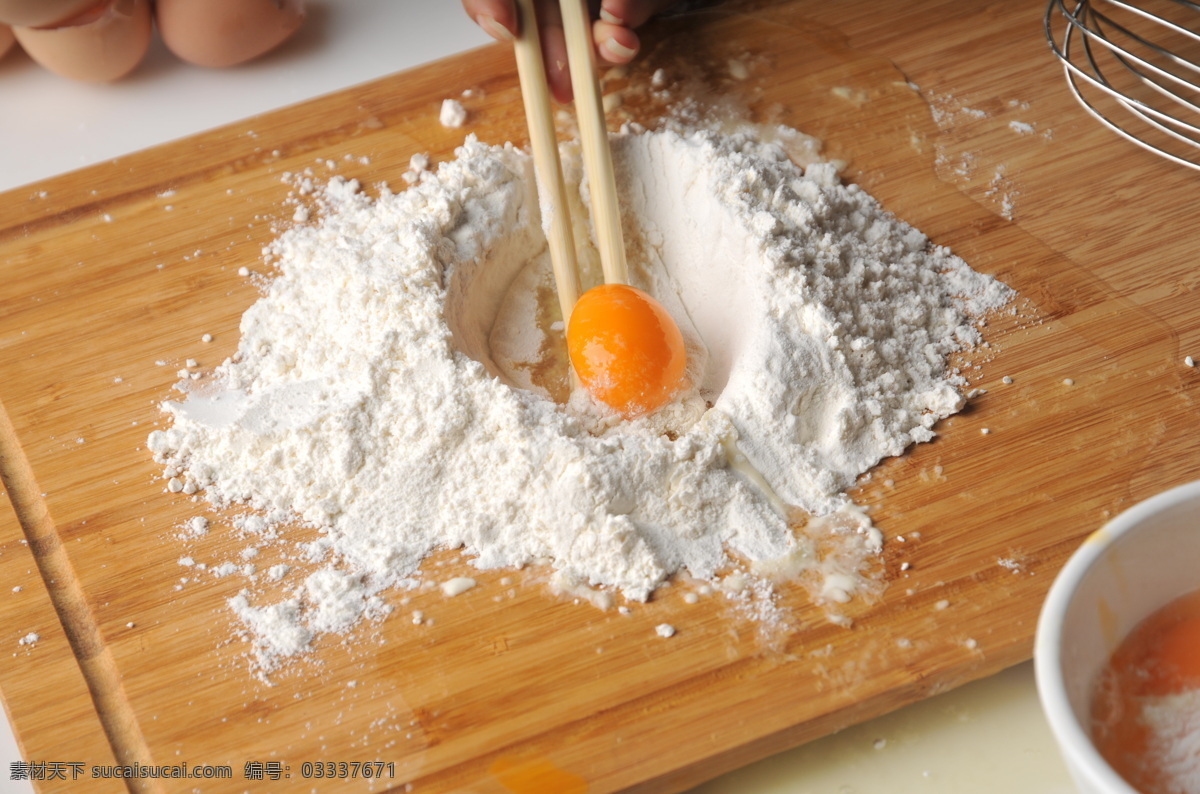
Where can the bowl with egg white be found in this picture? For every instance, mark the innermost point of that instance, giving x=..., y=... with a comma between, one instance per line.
x=1117, y=651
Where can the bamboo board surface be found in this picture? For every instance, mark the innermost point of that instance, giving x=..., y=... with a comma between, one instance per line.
x=513, y=689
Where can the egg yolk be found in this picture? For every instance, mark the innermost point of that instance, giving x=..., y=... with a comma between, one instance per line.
x=1160, y=658
x=626, y=349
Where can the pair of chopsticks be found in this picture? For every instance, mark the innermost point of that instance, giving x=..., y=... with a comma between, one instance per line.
x=597, y=158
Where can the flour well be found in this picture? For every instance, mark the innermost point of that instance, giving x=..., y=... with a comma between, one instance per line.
x=393, y=387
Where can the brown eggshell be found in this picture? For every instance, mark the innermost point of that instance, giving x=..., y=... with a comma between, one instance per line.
x=226, y=32
x=7, y=39
x=96, y=51
x=40, y=13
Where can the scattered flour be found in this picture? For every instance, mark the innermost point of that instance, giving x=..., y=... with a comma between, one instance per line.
x=452, y=114
x=1010, y=564
x=278, y=631
x=457, y=586
x=961, y=122
x=1001, y=190
x=392, y=388
x=225, y=569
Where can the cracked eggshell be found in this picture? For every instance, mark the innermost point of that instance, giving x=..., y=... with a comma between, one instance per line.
x=40, y=13
x=218, y=33
x=103, y=44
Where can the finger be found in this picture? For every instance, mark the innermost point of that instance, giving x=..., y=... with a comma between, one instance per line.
x=7, y=39
x=631, y=13
x=498, y=18
x=615, y=44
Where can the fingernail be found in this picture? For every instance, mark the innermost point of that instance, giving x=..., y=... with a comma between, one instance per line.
x=618, y=49
x=609, y=16
x=494, y=28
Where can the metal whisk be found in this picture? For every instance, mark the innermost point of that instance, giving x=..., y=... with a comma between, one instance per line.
x=1140, y=57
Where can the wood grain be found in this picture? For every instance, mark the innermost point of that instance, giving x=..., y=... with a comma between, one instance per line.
x=106, y=274
x=43, y=683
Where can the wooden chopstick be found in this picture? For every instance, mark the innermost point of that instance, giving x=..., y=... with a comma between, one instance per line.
x=531, y=71
x=593, y=134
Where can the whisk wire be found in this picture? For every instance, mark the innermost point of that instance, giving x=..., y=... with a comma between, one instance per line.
x=1131, y=63
x=1101, y=37
x=1147, y=113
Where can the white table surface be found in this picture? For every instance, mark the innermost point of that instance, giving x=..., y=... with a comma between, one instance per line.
x=985, y=737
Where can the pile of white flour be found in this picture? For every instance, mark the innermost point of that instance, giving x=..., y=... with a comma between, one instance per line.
x=378, y=394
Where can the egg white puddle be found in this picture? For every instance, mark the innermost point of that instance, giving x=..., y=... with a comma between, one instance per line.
x=392, y=386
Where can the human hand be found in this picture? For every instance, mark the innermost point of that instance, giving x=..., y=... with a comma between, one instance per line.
x=613, y=32
x=102, y=40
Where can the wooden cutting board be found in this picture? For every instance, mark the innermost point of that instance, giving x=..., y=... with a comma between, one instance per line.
x=110, y=270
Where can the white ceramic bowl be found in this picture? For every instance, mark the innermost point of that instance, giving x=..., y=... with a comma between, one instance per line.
x=1138, y=562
